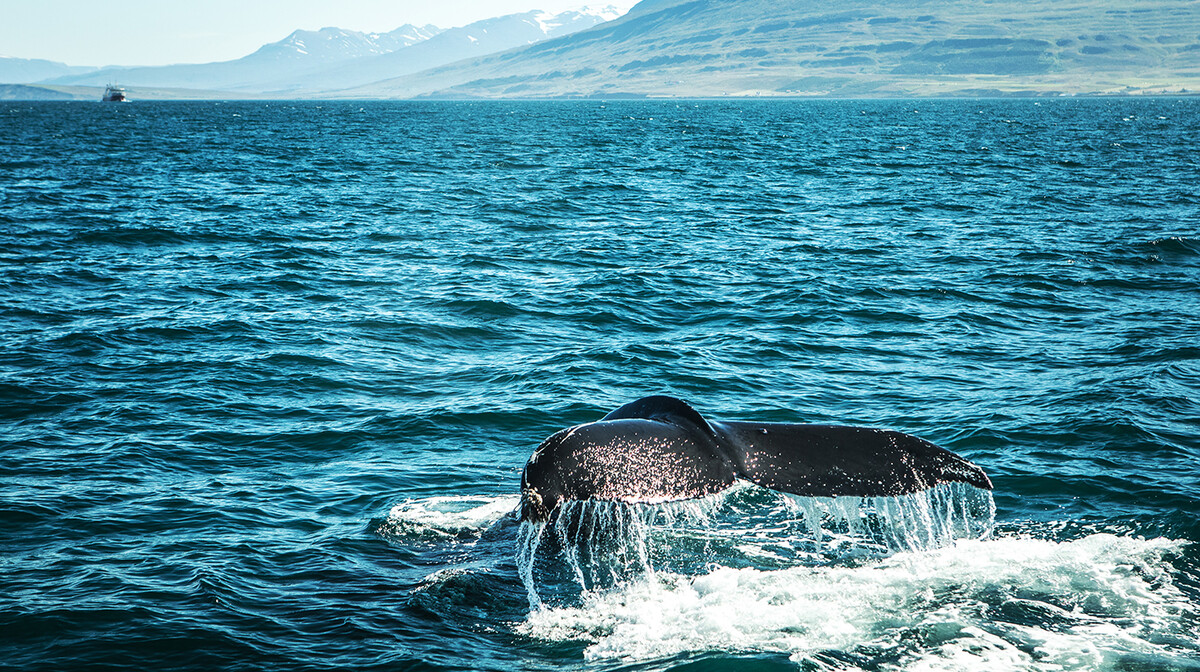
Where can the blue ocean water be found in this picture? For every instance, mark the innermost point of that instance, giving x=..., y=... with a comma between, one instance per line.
x=269, y=373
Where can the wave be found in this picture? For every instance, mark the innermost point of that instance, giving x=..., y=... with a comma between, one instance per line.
x=1100, y=602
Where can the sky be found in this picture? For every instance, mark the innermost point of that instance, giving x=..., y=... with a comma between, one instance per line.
x=160, y=32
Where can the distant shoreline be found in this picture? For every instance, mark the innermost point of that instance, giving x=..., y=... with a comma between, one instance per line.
x=40, y=93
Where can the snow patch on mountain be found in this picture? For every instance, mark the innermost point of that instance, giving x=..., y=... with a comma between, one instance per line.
x=331, y=45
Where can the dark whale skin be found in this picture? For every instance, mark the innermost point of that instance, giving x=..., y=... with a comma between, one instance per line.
x=659, y=449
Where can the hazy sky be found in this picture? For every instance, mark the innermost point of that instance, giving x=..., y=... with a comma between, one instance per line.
x=157, y=32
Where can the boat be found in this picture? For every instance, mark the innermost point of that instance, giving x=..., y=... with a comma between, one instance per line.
x=114, y=94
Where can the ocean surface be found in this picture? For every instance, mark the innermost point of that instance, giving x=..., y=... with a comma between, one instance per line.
x=269, y=373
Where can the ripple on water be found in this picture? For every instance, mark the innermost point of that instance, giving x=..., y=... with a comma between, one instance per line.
x=269, y=372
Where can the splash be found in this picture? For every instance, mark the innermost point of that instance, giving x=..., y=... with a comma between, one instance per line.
x=920, y=521
x=600, y=545
x=1097, y=603
x=445, y=517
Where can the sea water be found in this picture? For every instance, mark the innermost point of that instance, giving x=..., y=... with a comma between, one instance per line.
x=269, y=372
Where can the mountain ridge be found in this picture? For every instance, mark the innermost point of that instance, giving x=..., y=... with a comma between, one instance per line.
x=338, y=44
x=301, y=51
x=307, y=61
x=741, y=48
x=715, y=48
x=31, y=70
x=455, y=44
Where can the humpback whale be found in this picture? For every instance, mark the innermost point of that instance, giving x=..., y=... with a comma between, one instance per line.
x=659, y=449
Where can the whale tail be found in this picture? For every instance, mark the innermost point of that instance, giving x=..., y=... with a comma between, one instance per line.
x=659, y=449
x=833, y=461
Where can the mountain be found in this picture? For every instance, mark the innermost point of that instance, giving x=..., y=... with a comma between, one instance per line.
x=25, y=92
x=476, y=39
x=332, y=58
x=711, y=48
x=334, y=45
x=858, y=48
x=292, y=57
x=28, y=70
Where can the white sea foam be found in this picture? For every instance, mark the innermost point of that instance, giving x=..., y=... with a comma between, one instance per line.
x=992, y=604
x=447, y=516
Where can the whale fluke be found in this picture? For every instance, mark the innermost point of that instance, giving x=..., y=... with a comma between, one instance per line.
x=659, y=449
